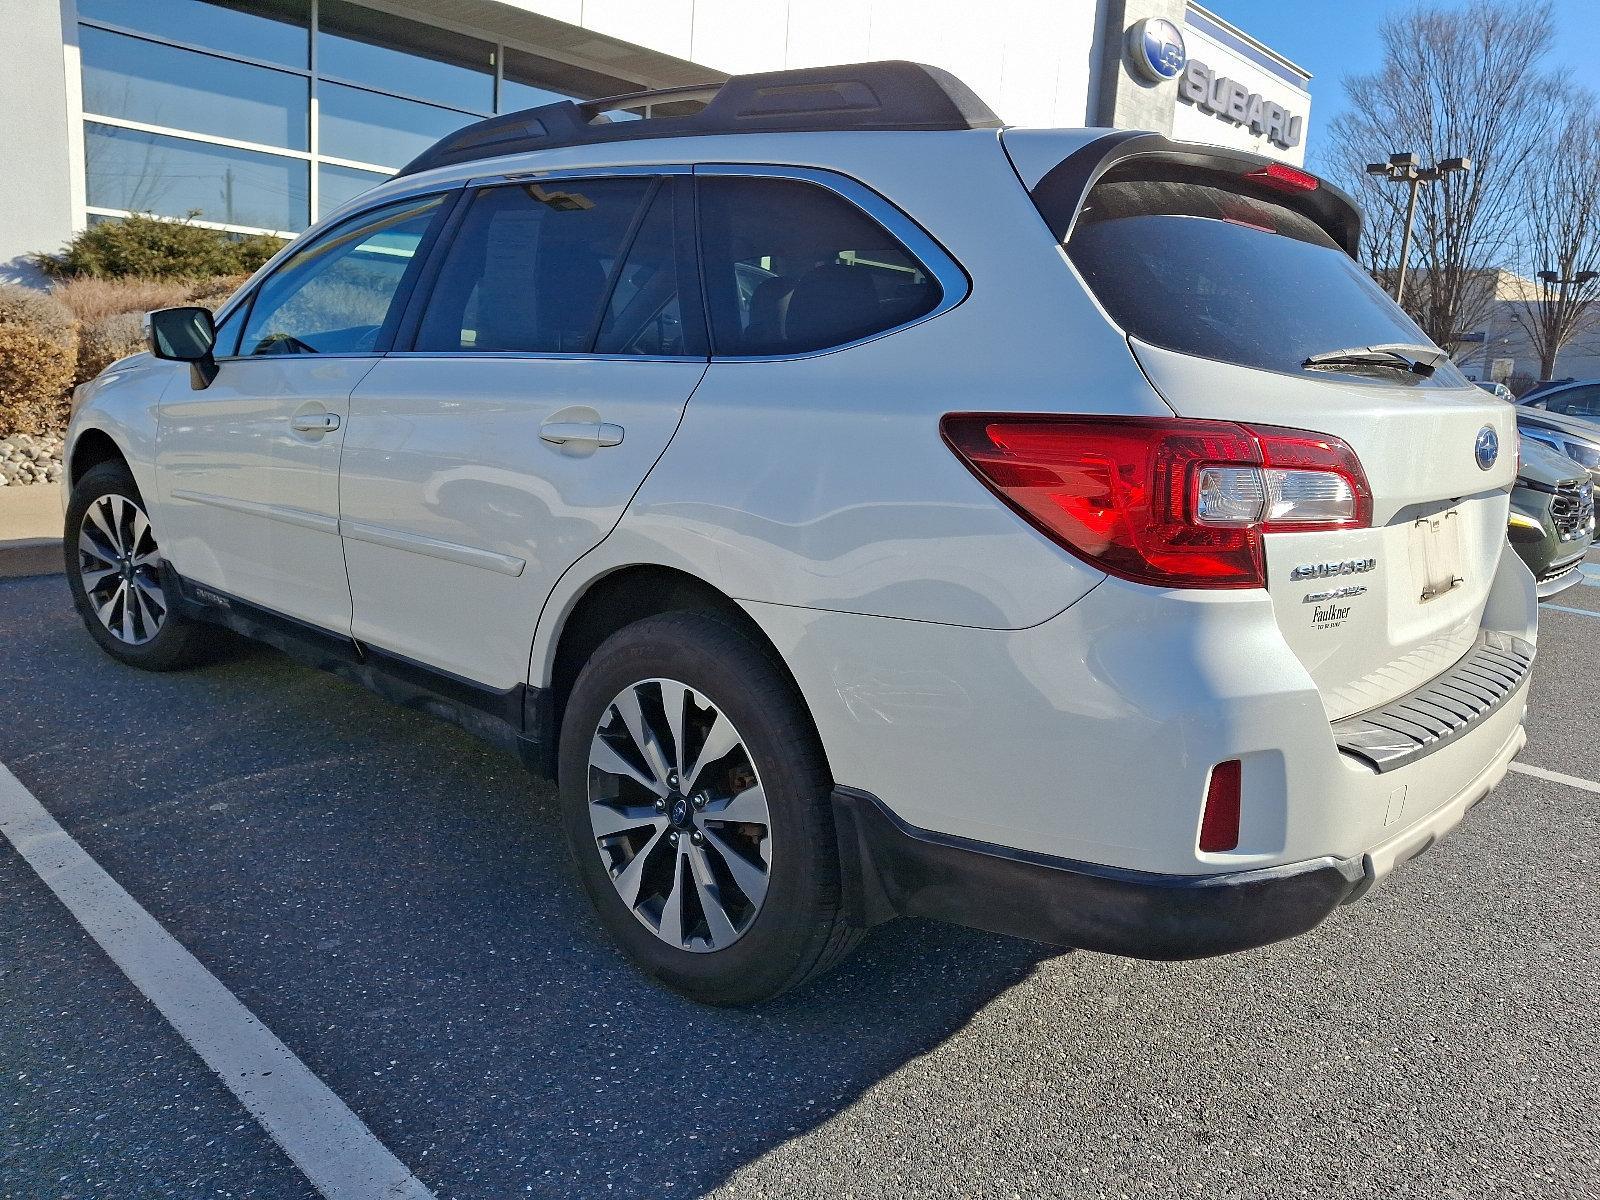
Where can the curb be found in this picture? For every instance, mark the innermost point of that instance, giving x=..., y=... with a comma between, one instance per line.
x=23, y=557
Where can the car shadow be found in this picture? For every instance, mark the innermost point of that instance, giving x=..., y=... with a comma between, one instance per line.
x=394, y=900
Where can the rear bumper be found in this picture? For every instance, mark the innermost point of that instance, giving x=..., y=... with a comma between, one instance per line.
x=894, y=869
x=890, y=868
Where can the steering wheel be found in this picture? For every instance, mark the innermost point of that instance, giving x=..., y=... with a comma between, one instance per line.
x=283, y=343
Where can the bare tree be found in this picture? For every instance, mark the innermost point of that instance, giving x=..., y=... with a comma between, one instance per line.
x=1454, y=82
x=1561, y=195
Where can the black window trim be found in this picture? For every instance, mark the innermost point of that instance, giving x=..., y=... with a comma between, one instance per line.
x=954, y=282
x=245, y=301
x=417, y=302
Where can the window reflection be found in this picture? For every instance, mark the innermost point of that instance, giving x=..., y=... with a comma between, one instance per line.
x=272, y=30
x=143, y=172
x=531, y=80
x=363, y=46
x=381, y=130
x=162, y=85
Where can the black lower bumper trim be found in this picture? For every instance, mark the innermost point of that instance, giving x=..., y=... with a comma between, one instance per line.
x=891, y=868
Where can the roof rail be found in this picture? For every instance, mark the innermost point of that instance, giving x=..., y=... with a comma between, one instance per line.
x=879, y=95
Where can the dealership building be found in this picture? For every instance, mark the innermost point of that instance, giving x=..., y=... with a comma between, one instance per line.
x=263, y=115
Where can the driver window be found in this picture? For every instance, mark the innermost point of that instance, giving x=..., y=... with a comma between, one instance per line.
x=335, y=295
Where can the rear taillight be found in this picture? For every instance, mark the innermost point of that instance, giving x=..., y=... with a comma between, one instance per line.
x=1285, y=178
x=1165, y=501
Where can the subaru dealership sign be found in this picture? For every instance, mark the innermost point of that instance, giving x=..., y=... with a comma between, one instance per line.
x=1156, y=49
x=1232, y=101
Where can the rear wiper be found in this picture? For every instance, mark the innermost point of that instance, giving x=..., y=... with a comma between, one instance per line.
x=1397, y=356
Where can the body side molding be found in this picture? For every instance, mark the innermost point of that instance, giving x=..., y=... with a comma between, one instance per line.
x=416, y=543
x=321, y=522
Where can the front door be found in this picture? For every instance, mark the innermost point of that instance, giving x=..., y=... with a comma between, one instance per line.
x=550, y=363
x=249, y=466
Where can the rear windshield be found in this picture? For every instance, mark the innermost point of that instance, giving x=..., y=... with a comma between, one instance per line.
x=1198, y=268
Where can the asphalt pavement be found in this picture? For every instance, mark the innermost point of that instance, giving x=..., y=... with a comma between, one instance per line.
x=392, y=900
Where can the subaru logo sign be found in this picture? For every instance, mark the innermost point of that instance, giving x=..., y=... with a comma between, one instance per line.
x=1488, y=447
x=1156, y=49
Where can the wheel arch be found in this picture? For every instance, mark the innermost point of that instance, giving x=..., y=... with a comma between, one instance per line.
x=626, y=594
x=92, y=447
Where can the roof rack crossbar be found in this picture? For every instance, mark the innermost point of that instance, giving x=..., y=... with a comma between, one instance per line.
x=877, y=96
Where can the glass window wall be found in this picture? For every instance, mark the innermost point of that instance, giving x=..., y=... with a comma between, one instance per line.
x=385, y=88
x=132, y=171
x=154, y=84
x=382, y=130
x=335, y=185
x=277, y=31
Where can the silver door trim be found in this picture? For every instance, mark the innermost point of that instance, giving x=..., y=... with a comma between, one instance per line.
x=320, y=522
x=537, y=174
x=415, y=543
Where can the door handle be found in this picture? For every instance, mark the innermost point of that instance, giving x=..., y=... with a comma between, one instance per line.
x=592, y=433
x=315, y=423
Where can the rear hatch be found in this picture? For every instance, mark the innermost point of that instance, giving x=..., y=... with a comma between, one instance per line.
x=1227, y=276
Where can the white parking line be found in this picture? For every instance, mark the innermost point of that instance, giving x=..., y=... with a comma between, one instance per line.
x=328, y=1142
x=1585, y=785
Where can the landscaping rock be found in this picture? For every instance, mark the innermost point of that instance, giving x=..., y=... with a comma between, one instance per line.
x=27, y=459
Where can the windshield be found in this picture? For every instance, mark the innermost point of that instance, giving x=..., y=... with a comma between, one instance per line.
x=1202, y=270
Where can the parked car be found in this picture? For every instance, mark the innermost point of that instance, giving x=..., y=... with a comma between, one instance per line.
x=1565, y=417
x=1552, y=517
x=1545, y=385
x=1498, y=390
x=861, y=509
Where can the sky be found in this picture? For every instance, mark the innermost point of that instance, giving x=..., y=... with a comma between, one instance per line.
x=1335, y=38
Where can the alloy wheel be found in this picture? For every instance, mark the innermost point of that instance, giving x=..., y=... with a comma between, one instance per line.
x=120, y=566
x=679, y=816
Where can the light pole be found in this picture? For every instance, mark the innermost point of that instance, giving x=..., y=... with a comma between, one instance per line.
x=1404, y=168
x=1553, y=279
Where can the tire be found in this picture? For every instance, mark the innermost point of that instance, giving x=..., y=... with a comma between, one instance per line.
x=111, y=555
x=757, y=819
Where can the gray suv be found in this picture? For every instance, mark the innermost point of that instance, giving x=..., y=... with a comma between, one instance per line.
x=1565, y=417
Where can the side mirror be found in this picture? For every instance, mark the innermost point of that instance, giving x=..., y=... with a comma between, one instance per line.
x=184, y=335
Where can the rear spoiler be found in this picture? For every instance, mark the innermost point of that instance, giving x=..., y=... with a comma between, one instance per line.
x=1064, y=188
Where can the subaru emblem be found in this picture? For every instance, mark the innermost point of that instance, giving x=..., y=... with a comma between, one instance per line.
x=1156, y=49
x=1488, y=447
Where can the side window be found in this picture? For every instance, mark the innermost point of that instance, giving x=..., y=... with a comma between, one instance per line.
x=335, y=296
x=529, y=266
x=1577, y=402
x=654, y=306
x=792, y=267
x=228, y=331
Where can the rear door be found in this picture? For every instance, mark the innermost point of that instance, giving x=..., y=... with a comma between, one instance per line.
x=1226, y=286
x=545, y=368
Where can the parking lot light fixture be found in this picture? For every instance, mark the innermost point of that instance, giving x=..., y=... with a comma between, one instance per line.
x=1405, y=167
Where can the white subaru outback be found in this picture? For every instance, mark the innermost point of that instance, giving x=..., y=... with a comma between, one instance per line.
x=861, y=508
